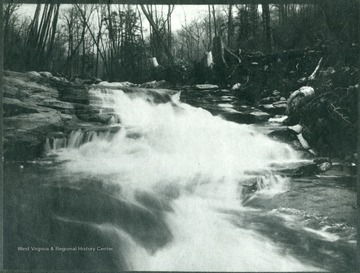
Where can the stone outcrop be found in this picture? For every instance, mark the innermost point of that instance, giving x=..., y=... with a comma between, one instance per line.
x=36, y=105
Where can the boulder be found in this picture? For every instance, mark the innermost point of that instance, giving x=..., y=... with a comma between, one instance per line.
x=236, y=86
x=60, y=79
x=296, y=97
x=285, y=135
x=97, y=80
x=323, y=163
x=46, y=74
x=34, y=73
x=25, y=87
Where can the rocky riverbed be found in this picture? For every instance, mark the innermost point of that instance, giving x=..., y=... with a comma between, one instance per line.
x=40, y=108
x=151, y=173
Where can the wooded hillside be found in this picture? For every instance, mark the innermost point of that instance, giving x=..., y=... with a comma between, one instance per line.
x=139, y=43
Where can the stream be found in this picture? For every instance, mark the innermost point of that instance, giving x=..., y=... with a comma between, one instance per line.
x=165, y=187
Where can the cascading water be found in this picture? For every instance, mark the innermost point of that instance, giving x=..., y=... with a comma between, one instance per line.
x=194, y=162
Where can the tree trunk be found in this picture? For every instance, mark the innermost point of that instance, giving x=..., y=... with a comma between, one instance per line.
x=230, y=33
x=103, y=57
x=215, y=23
x=156, y=31
x=219, y=59
x=52, y=39
x=267, y=29
x=210, y=32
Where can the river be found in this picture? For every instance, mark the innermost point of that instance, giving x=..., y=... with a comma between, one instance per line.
x=162, y=189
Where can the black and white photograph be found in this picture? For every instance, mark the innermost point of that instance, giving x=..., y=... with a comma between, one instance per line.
x=180, y=136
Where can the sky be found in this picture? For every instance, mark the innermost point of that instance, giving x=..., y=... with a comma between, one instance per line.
x=180, y=14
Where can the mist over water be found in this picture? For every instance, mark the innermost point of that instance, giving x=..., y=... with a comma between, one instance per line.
x=195, y=163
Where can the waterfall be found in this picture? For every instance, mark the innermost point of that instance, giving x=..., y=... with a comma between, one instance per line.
x=197, y=161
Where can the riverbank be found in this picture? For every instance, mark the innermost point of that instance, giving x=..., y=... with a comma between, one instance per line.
x=39, y=108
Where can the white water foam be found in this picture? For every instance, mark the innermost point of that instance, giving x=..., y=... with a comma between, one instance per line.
x=204, y=157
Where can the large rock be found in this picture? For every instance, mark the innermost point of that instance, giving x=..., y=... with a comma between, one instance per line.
x=13, y=107
x=297, y=97
x=27, y=87
x=285, y=135
x=34, y=73
x=46, y=74
x=25, y=134
x=35, y=121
